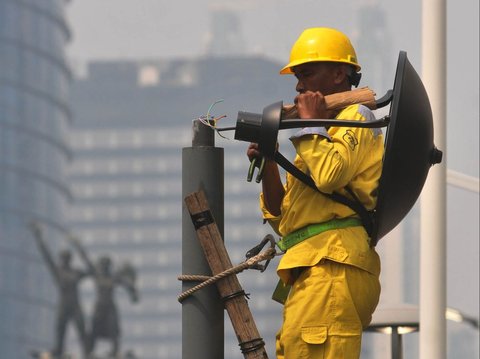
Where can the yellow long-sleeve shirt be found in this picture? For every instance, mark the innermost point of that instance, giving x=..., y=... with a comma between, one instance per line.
x=339, y=157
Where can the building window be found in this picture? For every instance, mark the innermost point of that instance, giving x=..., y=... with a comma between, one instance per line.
x=113, y=140
x=87, y=214
x=87, y=141
x=148, y=76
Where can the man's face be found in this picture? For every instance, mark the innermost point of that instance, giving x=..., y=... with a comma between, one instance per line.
x=315, y=76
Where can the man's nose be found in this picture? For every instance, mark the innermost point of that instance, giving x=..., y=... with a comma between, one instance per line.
x=300, y=88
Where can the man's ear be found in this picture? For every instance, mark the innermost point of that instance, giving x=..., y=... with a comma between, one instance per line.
x=340, y=73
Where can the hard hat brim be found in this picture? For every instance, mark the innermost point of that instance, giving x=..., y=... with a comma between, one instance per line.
x=287, y=70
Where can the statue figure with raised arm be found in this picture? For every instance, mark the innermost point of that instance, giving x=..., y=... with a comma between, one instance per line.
x=105, y=321
x=67, y=280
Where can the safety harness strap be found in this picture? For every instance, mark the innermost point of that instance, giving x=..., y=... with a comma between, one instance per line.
x=365, y=216
x=311, y=230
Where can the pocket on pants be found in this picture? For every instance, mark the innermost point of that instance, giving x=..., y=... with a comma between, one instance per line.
x=321, y=342
x=343, y=342
x=314, y=339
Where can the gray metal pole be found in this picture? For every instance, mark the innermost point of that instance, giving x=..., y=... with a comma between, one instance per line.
x=433, y=209
x=202, y=312
x=397, y=346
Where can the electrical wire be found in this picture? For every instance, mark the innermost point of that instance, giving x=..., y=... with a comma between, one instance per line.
x=211, y=121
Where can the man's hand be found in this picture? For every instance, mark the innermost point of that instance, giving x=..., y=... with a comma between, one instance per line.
x=312, y=105
x=272, y=187
x=253, y=152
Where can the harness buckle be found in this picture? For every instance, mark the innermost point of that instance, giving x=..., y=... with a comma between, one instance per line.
x=256, y=250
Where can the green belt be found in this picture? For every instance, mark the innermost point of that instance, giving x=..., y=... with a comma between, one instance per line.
x=311, y=230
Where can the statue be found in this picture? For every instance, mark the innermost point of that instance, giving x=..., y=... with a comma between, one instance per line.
x=105, y=322
x=130, y=355
x=67, y=280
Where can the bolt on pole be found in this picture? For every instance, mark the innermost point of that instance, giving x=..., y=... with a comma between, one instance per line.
x=202, y=312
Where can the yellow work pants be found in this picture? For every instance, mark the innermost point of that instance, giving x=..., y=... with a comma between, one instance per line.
x=326, y=311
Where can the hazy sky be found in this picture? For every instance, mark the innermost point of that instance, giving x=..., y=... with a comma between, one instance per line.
x=161, y=28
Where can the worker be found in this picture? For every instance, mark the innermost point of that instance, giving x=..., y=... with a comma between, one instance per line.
x=329, y=263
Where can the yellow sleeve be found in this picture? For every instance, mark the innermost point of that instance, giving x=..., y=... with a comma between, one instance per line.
x=333, y=160
x=274, y=221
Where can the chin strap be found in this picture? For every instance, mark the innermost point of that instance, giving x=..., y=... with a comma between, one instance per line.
x=366, y=217
x=354, y=78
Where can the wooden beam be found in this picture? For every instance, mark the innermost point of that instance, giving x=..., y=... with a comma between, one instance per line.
x=231, y=292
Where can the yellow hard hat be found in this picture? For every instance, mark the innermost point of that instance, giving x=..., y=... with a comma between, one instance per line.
x=321, y=44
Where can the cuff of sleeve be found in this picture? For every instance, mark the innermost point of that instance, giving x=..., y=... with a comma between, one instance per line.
x=274, y=221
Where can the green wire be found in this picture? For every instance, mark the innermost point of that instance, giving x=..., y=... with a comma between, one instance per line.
x=210, y=108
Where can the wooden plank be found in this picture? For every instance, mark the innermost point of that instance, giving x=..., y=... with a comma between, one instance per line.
x=340, y=100
x=230, y=290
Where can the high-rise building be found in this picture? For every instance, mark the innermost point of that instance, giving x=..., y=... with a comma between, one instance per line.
x=226, y=38
x=34, y=112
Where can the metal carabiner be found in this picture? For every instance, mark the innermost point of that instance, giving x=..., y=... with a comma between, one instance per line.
x=254, y=163
x=256, y=250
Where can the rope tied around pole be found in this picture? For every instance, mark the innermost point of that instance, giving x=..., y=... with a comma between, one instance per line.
x=268, y=254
